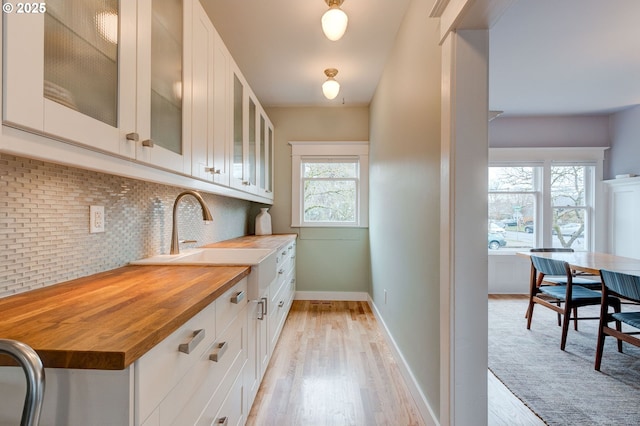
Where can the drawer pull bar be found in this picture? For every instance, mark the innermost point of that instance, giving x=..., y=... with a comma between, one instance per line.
x=186, y=348
x=238, y=297
x=217, y=356
x=223, y=421
x=264, y=305
x=261, y=310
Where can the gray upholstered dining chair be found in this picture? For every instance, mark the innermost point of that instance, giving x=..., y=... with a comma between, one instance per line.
x=563, y=298
x=626, y=287
x=592, y=282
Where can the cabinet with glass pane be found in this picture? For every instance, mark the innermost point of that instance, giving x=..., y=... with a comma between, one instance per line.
x=68, y=75
x=105, y=74
x=244, y=133
x=211, y=101
x=265, y=157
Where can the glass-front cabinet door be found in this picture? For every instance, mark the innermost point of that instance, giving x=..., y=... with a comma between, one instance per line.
x=164, y=94
x=265, y=157
x=238, y=133
x=70, y=72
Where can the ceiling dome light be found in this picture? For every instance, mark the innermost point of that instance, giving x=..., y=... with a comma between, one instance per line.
x=331, y=87
x=334, y=20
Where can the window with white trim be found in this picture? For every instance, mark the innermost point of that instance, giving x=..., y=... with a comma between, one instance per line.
x=543, y=198
x=329, y=184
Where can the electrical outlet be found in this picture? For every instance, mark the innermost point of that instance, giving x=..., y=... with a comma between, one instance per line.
x=96, y=219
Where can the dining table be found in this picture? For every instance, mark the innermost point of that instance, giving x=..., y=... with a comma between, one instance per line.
x=590, y=262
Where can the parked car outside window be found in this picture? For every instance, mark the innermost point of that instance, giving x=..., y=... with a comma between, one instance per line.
x=496, y=241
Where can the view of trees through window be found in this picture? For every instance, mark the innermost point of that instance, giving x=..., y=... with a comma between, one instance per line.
x=330, y=191
x=514, y=194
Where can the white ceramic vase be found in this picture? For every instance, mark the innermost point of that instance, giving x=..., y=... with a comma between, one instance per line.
x=263, y=222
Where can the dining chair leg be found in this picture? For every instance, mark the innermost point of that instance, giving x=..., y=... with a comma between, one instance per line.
x=617, y=308
x=530, y=314
x=599, y=348
x=575, y=318
x=565, y=327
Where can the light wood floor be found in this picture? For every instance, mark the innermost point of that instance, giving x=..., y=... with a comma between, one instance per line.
x=332, y=366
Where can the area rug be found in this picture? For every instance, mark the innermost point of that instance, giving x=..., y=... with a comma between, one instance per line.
x=562, y=387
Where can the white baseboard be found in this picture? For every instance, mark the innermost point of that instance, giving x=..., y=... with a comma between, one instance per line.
x=353, y=296
x=418, y=396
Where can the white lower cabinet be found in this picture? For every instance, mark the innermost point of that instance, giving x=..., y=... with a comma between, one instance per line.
x=207, y=372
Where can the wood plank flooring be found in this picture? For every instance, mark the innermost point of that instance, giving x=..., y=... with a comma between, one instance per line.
x=332, y=366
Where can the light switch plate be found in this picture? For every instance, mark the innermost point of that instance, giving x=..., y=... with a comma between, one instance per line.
x=96, y=219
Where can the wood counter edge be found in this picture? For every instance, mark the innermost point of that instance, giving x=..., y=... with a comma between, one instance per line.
x=120, y=360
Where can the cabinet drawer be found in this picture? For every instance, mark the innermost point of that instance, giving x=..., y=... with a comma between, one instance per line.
x=231, y=412
x=230, y=304
x=208, y=381
x=163, y=366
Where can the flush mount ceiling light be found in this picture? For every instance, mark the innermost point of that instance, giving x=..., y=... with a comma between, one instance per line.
x=334, y=20
x=331, y=87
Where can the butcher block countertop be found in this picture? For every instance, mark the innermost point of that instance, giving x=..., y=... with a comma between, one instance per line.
x=108, y=320
x=256, y=241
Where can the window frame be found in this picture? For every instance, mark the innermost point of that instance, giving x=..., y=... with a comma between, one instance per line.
x=546, y=158
x=331, y=151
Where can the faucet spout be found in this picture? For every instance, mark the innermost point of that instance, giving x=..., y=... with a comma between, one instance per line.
x=206, y=216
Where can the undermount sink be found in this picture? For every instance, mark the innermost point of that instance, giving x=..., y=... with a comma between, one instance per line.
x=209, y=256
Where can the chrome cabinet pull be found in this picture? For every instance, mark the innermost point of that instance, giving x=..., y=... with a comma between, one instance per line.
x=133, y=137
x=222, y=421
x=186, y=348
x=147, y=143
x=261, y=311
x=281, y=271
x=238, y=297
x=217, y=356
x=246, y=183
x=264, y=305
x=212, y=170
x=281, y=304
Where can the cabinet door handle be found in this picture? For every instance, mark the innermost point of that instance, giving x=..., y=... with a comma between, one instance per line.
x=133, y=137
x=217, y=356
x=281, y=271
x=281, y=304
x=212, y=170
x=147, y=143
x=246, y=183
x=261, y=311
x=264, y=305
x=186, y=348
x=222, y=421
x=238, y=297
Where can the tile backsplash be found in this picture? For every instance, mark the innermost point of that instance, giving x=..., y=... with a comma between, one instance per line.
x=44, y=222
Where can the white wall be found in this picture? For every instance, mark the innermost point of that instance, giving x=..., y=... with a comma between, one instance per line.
x=405, y=197
x=624, y=156
x=574, y=131
x=327, y=259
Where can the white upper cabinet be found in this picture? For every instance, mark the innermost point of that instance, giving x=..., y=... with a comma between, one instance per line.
x=147, y=81
x=164, y=83
x=70, y=73
x=265, y=157
x=211, y=117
